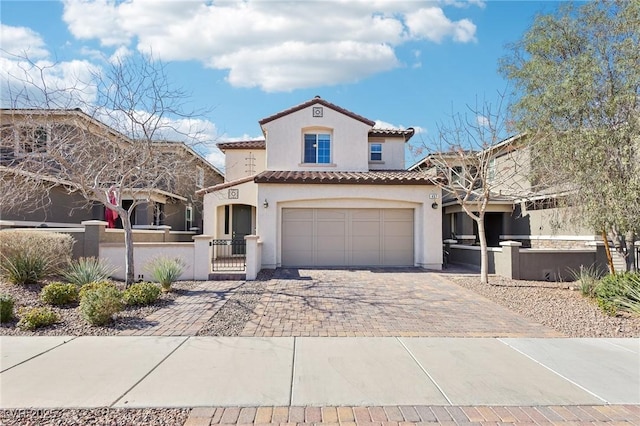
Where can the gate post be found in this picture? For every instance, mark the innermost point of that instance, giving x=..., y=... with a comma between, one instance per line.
x=254, y=257
x=202, y=252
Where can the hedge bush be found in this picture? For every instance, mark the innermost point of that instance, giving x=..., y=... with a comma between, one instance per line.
x=613, y=289
x=141, y=294
x=28, y=256
x=37, y=317
x=59, y=294
x=100, y=304
x=6, y=308
x=94, y=286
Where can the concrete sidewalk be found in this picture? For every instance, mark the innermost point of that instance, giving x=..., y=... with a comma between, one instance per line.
x=131, y=371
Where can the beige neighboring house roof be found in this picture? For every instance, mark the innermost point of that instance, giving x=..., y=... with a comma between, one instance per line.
x=316, y=101
x=225, y=185
x=382, y=177
x=250, y=144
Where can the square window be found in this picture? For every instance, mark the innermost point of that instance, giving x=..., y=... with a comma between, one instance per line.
x=375, y=152
x=317, y=148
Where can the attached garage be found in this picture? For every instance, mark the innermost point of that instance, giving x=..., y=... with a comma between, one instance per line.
x=347, y=237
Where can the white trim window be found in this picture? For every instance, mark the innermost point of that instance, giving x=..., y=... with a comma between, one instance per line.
x=375, y=152
x=188, y=218
x=317, y=148
x=33, y=140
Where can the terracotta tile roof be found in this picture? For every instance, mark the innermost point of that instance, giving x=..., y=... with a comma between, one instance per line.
x=380, y=177
x=314, y=101
x=251, y=144
x=225, y=185
x=407, y=133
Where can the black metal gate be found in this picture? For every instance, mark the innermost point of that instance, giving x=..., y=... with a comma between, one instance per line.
x=229, y=255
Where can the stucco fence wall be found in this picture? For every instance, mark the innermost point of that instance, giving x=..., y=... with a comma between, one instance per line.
x=512, y=261
x=113, y=254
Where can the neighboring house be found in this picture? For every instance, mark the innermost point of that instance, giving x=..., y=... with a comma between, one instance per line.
x=33, y=132
x=517, y=209
x=326, y=188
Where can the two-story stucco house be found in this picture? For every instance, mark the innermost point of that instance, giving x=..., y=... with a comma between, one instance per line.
x=38, y=133
x=325, y=188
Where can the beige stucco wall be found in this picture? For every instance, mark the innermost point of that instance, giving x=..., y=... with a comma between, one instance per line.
x=349, y=141
x=427, y=221
x=237, y=163
x=392, y=154
x=214, y=215
x=113, y=254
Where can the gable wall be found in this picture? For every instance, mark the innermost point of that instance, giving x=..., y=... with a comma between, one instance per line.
x=349, y=144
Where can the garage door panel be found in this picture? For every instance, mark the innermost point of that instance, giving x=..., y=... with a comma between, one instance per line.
x=366, y=258
x=297, y=214
x=330, y=229
x=365, y=243
x=331, y=258
x=398, y=214
x=398, y=258
x=365, y=228
x=365, y=214
x=398, y=229
x=330, y=214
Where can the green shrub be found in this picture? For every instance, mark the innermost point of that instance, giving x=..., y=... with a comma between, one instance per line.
x=94, y=286
x=141, y=294
x=100, y=304
x=587, y=277
x=165, y=270
x=630, y=300
x=59, y=294
x=28, y=256
x=36, y=318
x=87, y=270
x=6, y=308
x=614, y=288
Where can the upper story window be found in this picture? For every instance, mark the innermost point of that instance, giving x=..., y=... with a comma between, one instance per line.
x=317, y=148
x=199, y=177
x=375, y=152
x=33, y=140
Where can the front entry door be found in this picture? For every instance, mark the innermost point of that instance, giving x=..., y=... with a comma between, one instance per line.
x=241, y=227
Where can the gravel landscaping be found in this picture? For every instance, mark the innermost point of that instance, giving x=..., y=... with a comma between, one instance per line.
x=98, y=416
x=71, y=321
x=556, y=305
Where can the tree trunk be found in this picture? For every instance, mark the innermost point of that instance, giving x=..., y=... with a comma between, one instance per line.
x=630, y=240
x=128, y=248
x=607, y=250
x=484, y=261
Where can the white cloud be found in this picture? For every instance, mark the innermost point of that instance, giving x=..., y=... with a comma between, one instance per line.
x=482, y=120
x=273, y=45
x=216, y=157
x=21, y=42
x=431, y=24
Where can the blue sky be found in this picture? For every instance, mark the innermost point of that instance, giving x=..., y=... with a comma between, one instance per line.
x=404, y=64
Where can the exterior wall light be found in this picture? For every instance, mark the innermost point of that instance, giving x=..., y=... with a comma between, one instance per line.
x=434, y=205
x=265, y=204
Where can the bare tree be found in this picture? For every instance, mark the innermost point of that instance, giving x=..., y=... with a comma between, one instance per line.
x=106, y=147
x=479, y=165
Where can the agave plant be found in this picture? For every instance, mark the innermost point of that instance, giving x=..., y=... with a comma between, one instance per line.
x=87, y=270
x=165, y=270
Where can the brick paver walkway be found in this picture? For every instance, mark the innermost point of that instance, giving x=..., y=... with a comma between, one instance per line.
x=189, y=312
x=386, y=302
x=406, y=415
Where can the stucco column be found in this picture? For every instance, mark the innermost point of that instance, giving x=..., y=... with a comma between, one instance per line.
x=509, y=263
x=254, y=257
x=166, y=237
x=202, y=254
x=93, y=234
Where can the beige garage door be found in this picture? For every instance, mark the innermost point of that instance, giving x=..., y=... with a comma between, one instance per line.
x=347, y=237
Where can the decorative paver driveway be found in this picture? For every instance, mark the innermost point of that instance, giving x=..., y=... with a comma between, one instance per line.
x=189, y=313
x=385, y=302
